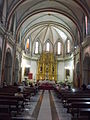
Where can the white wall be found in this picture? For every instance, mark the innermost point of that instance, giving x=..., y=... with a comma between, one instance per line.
x=29, y=63
x=61, y=66
x=70, y=65
x=33, y=68
x=60, y=71
x=25, y=63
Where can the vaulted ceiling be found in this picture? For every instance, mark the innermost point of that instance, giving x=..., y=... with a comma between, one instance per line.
x=48, y=19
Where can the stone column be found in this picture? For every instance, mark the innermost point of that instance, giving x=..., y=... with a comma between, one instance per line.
x=3, y=58
x=14, y=61
x=74, y=71
x=20, y=69
x=80, y=61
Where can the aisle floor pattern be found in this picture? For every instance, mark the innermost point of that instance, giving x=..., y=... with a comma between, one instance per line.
x=40, y=107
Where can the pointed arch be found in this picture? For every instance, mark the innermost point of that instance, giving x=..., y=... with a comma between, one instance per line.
x=86, y=69
x=68, y=46
x=59, y=47
x=8, y=67
x=27, y=46
x=37, y=47
x=48, y=46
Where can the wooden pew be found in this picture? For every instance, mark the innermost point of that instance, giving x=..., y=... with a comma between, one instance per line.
x=67, y=96
x=84, y=114
x=15, y=103
x=77, y=102
x=71, y=100
x=84, y=111
x=5, y=116
x=31, y=90
x=77, y=106
x=4, y=112
x=81, y=118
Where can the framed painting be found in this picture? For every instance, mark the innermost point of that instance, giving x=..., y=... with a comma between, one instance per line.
x=67, y=73
x=26, y=71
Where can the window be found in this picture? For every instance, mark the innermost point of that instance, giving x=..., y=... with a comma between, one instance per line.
x=47, y=47
x=86, y=22
x=36, y=47
x=68, y=46
x=27, y=44
x=59, y=48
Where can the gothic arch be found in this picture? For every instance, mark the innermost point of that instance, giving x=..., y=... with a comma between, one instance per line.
x=78, y=74
x=39, y=46
x=66, y=46
x=51, y=45
x=86, y=69
x=8, y=67
x=62, y=47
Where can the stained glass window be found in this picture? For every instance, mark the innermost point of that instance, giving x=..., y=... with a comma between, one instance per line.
x=27, y=44
x=68, y=46
x=47, y=47
x=36, y=47
x=59, y=48
x=86, y=22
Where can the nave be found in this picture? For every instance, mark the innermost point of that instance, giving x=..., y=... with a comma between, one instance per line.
x=44, y=106
x=49, y=103
x=45, y=46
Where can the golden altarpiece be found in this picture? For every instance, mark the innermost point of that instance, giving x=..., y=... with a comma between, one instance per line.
x=47, y=67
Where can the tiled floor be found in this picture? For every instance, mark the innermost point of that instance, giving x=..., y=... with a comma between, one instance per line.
x=27, y=112
x=45, y=109
x=62, y=112
x=39, y=108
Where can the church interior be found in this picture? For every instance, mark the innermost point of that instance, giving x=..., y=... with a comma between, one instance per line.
x=44, y=59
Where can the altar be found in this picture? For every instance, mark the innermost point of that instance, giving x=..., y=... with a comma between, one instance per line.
x=47, y=67
x=46, y=84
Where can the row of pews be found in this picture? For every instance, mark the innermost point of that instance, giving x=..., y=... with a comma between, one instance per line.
x=77, y=103
x=9, y=103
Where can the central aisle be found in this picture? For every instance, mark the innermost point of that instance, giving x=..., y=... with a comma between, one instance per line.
x=44, y=106
x=45, y=109
x=49, y=107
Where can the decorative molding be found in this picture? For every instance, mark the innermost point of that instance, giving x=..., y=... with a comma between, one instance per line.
x=2, y=28
x=86, y=42
x=29, y=57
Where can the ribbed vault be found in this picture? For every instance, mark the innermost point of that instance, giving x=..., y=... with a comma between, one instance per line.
x=44, y=19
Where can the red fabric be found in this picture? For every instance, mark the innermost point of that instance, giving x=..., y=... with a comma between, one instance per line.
x=46, y=86
x=30, y=75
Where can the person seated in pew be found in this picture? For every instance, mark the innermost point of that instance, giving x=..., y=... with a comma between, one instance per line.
x=36, y=86
x=22, y=86
x=58, y=87
x=31, y=84
x=19, y=94
x=15, y=84
x=69, y=88
x=88, y=86
x=83, y=87
x=4, y=84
